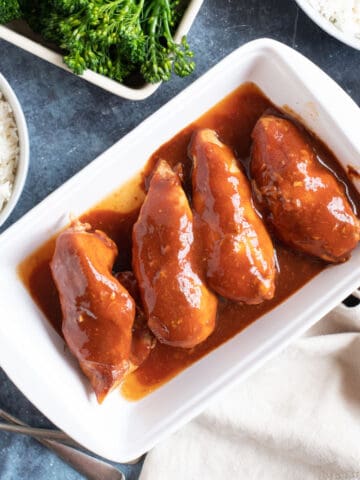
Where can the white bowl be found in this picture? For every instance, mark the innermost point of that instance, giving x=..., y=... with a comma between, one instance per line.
x=31, y=44
x=23, y=160
x=32, y=353
x=327, y=26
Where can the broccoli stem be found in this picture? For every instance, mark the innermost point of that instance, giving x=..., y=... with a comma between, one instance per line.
x=164, y=54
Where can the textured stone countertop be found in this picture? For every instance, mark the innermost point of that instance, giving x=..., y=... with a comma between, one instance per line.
x=71, y=122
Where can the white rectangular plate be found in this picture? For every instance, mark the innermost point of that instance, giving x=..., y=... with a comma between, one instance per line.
x=32, y=354
x=30, y=44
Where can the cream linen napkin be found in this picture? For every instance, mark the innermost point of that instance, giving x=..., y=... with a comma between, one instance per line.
x=297, y=418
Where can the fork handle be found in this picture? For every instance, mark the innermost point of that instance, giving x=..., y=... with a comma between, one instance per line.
x=38, y=433
x=57, y=435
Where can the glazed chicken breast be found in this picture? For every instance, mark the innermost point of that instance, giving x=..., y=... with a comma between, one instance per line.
x=237, y=249
x=180, y=309
x=98, y=312
x=302, y=199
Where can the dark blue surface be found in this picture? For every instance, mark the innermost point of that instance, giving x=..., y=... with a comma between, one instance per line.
x=71, y=122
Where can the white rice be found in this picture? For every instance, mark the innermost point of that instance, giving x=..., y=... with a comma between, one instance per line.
x=343, y=14
x=9, y=151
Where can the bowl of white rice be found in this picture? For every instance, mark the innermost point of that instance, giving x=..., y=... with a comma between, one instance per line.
x=339, y=18
x=14, y=150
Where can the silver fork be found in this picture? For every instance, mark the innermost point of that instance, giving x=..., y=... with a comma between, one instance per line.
x=91, y=467
x=16, y=426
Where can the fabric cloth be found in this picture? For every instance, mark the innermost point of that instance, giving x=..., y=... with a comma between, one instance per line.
x=297, y=418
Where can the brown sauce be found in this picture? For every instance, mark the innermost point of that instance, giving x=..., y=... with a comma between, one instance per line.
x=233, y=118
x=353, y=172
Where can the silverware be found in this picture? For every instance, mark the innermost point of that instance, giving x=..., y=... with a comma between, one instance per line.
x=91, y=467
x=38, y=432
x=19, y=427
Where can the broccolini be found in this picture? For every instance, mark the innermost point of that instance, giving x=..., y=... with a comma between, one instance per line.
x=9, y=10
x=113, y=37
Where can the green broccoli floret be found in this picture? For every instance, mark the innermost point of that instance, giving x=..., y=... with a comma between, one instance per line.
x=67, y=7
x=102, y=35
x=105, y=36
x=9, y=10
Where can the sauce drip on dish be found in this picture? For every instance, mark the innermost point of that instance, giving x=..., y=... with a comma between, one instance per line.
x=233, y=119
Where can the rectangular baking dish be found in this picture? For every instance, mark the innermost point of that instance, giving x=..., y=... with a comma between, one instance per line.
x=21, y=36
x=32, y=353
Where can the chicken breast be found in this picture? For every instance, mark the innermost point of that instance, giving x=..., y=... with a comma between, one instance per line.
x=237, y=249
x=303, y=200
x=180, y=309
x=98, y=312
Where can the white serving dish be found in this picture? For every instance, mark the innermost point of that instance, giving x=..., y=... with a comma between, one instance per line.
x=32, y=353
x=31, y=45
x=327, y=26
x=24, y=153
